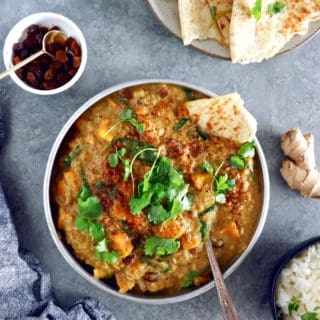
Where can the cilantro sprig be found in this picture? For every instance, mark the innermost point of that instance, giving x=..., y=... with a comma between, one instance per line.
x=155, y=246
x=293, y=305
x=90, y=210
x=162, y=192
x=114, y=158
x=256, y=10
x=238, y=160
x=193, y=275
x=275, y=7
x=222, y=184
x=68, y=160
x=127, y=116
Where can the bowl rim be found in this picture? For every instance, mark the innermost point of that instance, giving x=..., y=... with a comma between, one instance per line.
x=71, y=260
x=7, y=52
x=282, y=263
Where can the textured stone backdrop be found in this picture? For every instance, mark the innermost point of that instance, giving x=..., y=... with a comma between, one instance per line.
x=125, y=42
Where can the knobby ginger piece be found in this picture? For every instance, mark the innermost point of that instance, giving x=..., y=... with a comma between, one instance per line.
x=300, y=171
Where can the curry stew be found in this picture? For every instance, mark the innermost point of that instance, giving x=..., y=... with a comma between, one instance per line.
x=137, y=189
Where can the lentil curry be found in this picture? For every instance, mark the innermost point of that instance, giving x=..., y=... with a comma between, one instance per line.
x=137, y=189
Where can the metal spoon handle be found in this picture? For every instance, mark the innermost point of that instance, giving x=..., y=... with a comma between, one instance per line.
x=21, y=63
x=228, y=309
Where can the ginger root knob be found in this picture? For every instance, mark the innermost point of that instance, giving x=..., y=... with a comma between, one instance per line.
x=300, y=172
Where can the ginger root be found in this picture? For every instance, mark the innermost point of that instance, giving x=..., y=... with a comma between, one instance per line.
x=300, y=172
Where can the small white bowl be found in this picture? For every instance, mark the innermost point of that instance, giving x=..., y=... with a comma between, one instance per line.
x=46, y=19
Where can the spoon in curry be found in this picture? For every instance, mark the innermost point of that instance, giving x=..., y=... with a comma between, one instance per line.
x=228, y=308
x=47, y=39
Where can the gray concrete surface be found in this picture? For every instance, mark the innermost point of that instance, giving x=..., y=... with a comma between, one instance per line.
x=125, y=42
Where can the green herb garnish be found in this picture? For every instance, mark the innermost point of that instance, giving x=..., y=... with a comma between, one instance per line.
x=256, y=10
x=275, y=7
x=180, y=124
x=202, y=213
x=309, y=316
x=202, y=135
x=114, y=161
x=102, y=252
x=222, y=183
x=163, y=192
x=213, y=11
x=193, y=275
x=90, y=209
x=238, y=160
x=189, y=94
x=165, y=270
x=155, y=246
x=133, y=146
x=204, y=229
x=67, y=161
x=316, y=308
x=293, y=305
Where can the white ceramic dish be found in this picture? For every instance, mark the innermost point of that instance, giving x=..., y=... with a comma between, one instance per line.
x=75, y=264
x=167, y=13
x=47, y=19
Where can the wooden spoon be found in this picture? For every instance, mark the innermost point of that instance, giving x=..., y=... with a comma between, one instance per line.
x=47, y=39
x=228, y=309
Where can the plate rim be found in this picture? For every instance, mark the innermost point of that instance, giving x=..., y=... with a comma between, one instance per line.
x=214, y=55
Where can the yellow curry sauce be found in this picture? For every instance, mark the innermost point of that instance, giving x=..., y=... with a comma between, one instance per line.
x=98, y=134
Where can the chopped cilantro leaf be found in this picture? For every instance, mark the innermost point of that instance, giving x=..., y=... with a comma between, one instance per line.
x=213, y=11
x=67, y=161
x=309, y=316
x=238, y=162
x=202, y=136
x=189, y=93
x=275, y=7
x=204, y=229
x=293, y=305
x=256, y=10
x=180, y=124
x=113, y=160
x=102, y=252
x=247, y=150
x=126, y=115
x=202, y=213
x=206, y=167
x=193, y=275
x=155, y=246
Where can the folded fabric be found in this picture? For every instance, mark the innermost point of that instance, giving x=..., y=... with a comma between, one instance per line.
x=25, y=287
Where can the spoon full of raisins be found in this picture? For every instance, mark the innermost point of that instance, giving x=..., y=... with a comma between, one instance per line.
x=49, y=38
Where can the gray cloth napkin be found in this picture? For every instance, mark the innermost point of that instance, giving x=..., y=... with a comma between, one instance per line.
x=25, y=287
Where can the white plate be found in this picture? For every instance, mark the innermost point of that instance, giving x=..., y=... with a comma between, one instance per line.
x=167, y=13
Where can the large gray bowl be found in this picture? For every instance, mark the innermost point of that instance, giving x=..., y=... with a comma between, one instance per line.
x=76, y=265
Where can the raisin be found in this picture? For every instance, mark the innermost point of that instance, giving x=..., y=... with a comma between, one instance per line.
x=16, y=59
x=17, y=47
x=31, y=77
x=33, y=28
x=76, y=62
x=50, y=74
x=61, y=56
x=75, y=48
x=63, y=78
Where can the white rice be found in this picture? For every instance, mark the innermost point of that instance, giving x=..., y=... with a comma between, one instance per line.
x=300, y=279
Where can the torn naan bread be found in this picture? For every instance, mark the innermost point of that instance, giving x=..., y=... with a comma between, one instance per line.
x=253, y=40
x=205, y=19
x=224, y=116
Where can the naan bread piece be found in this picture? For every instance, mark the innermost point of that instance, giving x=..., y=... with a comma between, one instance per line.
x=224, y=116
x=253, y=40
x=196, y=21
x=223, y=18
